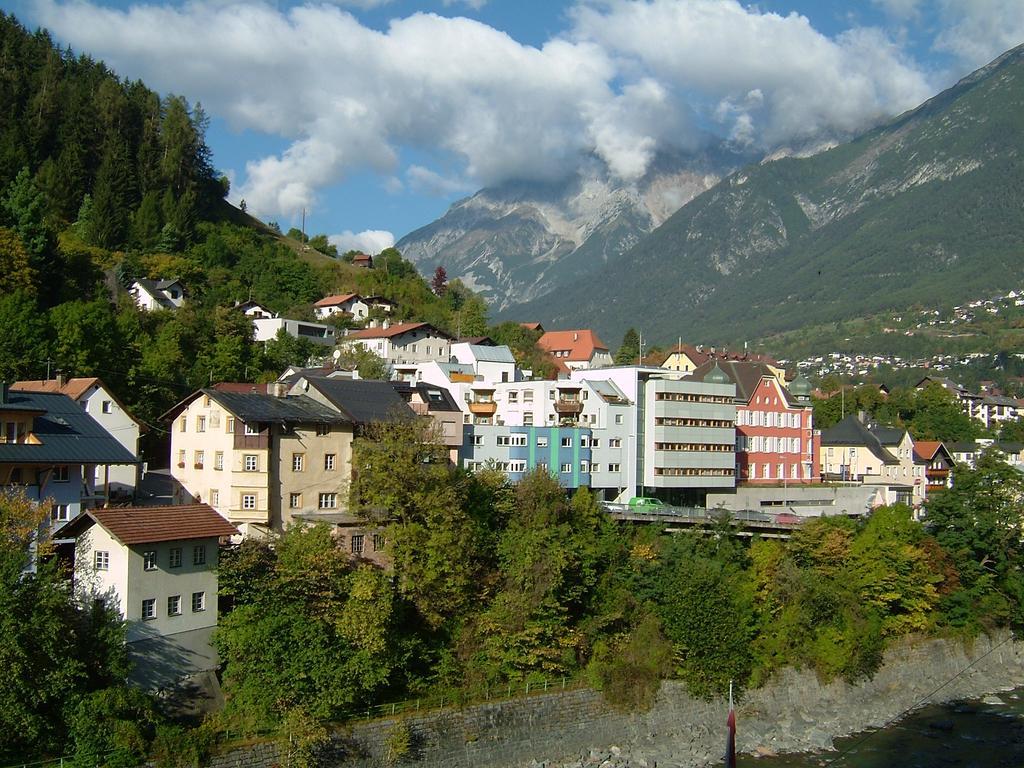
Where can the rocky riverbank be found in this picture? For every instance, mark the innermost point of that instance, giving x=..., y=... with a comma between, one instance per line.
x=797, y=713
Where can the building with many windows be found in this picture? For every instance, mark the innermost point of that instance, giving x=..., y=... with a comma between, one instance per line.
x=157, y=567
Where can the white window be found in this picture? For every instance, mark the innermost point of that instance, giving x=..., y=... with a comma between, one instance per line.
x=149, y=609
x=328, y=501
x=60, y=513
x=198, y=602
x=248, y=501
x=200, y=423
x=618, y=418
x=566, y=468
x=174, y=605
x=174, y=558
x=595, y=442
x=614, y=442
x=218, y=460
x=513, y=396
x=356, y=544
x=251, y=462
x=252, y=429
x=298, y=462
x=794, y=470
x=584, y=467
x=329, y=459
x=613, y=467
x=542, y=441
x=567, y=442
x=199, y=554
x=595, y=468
x=478, y=439
x=517, y=466
x=323, y=430
x=551, y=395
x=527, y=419
x=214, y=496
x=149, y=560
x=106, y=407
x=199, y=459
x=584, y=441
x=229, y=425
x=183, y=424
x=527, y=395
x=294, y=500
x=101, y=560
x=753, y=471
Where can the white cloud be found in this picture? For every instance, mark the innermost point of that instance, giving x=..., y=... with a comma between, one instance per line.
x=426, y=181
x=629, y=78
x=371, y=241
x=976, y=31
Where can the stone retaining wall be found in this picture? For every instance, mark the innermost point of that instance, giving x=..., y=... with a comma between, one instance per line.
x=795, y=712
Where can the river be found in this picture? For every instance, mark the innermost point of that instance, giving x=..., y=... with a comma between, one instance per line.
x=977, y=734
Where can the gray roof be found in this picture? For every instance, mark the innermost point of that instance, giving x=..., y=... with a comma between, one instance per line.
x=437, y=398
x=888, y=435
x=850, y=431
x=363, y=400
x=156, y=289
x=1001, y=400
x=487, y=354
x=291, y=409
x=67, y=434
x=450, y=368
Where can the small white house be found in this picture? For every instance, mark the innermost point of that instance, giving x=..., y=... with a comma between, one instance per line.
x=347, y=303
x=157, y=294
x=254, y=310
x=267, y=327
x=404, y=345
x=157, y=566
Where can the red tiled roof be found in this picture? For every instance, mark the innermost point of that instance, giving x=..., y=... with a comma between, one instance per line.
x=146, y=525
x=927, y=449
x=581, y=344
x=73, y=388
x=333, y=301
x=696, y=356
x=394, y=330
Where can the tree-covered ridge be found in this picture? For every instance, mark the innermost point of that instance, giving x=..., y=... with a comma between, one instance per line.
x=103, y=181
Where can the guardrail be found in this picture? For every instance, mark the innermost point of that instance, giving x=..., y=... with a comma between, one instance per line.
x=699, y=515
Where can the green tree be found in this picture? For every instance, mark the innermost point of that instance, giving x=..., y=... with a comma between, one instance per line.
x=23, y=342
x=356, y=357
x=629, y=351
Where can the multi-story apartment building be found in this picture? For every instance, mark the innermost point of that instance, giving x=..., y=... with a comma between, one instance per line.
x=52, y=450
x=258, y=459
x=96, y=399
x=776, y=442
x=679, y=433
x=575, y=350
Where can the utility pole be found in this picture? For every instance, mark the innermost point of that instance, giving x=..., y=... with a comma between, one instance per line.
x=303, y=223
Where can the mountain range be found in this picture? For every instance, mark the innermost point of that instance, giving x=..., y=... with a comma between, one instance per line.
x=925, y=208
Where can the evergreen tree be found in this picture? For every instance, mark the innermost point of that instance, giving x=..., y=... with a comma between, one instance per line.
x=629, y=351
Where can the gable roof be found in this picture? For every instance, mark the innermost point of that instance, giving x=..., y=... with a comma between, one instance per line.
x=74, y=388
x=156, y=288
x=888, y=435
x=851, y=432
x=745, y=374
x=697, y=356
x=532, y=327
x=147, y=525
x=395, y=330
x=66, y=433
x=927, y=449
x=581, y=344
x=362, y=401
x=333, y=301
x=437, y=398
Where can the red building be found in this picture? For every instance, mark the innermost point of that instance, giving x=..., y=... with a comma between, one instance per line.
x=776, y=441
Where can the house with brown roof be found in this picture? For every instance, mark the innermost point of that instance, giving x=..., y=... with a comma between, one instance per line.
x=97, y=400
x=156, y=566
x=362, y=260
x=938, y=464
x=684, y=358
x=342, y=304
x=403, y=346
x=575, y=350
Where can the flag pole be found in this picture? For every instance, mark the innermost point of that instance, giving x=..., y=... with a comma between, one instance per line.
x=730, y=745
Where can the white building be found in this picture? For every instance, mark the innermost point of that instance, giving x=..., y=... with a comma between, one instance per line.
x=157, y=566
x=267, y=327
x=492, y=363
x=157, y=294
x=99, y=402
x=404, y=346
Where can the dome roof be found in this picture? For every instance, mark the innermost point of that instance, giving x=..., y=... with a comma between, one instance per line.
x=716, y=376
x=800, y=387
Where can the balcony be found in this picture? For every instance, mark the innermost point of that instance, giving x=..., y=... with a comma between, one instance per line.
x=568, y=406
x=483, y=407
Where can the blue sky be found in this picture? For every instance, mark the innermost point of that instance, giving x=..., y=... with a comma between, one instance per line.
x=374, y=115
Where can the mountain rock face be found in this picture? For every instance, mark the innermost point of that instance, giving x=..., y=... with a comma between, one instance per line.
x=925, y=209
x=520, y=240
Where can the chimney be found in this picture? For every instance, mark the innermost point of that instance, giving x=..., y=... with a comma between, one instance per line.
x=279, y=389
x=61, y=379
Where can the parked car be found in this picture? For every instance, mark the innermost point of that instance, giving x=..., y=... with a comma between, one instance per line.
x=648, y=503
x=787, y=518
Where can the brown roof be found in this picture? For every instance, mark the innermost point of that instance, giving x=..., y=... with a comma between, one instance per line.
x=333, y=301
x=147, y=525
x=696, y=356
x=533, y=327
x=394, y=330
x=73, y=388
x=926, y=449
x=581, y=344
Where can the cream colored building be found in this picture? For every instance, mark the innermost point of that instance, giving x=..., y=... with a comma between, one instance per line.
x=157, y=567
x=264, y=461
x=853, y=452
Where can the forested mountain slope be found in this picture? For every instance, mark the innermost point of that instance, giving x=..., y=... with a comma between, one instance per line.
x=926, y=208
